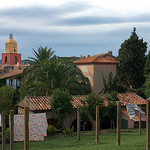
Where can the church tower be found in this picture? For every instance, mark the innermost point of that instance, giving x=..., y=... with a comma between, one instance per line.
x=11, y=57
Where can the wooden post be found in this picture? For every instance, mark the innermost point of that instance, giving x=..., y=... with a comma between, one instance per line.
x=97, y=124
x=11, y=130
x=78, y=123
x=26, y=128
x=118, y=122
x=139, y=123
x=3, y=129
x=148, y=124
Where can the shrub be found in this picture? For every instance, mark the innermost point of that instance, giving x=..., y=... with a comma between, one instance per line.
x=68, y=130
x=61, y=106
x=51, y=130
x=7, y=136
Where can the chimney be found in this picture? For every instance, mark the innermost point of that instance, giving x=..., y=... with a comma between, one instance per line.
x=110, y=53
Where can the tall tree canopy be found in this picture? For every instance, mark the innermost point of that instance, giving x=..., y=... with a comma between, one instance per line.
x=8, y=98
x=132, y=60
x=61, y=106
x=147, y=66
x=49, y=73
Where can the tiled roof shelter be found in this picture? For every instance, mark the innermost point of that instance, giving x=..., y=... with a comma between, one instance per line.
x=131, y=97
x=43, y=102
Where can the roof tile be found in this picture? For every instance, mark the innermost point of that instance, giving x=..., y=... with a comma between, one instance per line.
x=43, y=102
x=97, y=59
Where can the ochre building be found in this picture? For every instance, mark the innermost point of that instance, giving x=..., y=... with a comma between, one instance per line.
x=96, y=67
x=11, y=56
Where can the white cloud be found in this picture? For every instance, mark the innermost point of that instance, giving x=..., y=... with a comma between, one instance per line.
x=72, y=27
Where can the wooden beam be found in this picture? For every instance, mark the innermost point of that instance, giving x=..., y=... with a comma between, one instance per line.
x=139, y=123
x=148, y=124
x=11, y=130
x=78, y=123
x=97, y=124
x=26, y=128
x=118, y=122
x=3, y=129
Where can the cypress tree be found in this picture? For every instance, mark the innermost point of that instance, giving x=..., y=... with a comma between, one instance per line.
x=147, y=66
x=130, y=70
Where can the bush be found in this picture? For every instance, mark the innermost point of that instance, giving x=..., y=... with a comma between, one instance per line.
x=7, y=136
x=61, y=106
x=7, y=133
x=68, y=130
x=51, y=130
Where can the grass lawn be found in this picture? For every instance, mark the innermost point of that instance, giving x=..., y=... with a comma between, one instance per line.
x=130, y=140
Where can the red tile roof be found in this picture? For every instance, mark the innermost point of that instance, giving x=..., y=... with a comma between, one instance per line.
x=97, y=59
x=143, y=117
x=43, y=102
x=130, y=97
x=17, y=69
x=11, y=73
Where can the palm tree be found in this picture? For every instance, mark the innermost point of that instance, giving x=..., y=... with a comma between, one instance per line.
x=48, y=73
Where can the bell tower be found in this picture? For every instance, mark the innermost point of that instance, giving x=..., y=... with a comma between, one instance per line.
x=11, y=57
x=11, y=45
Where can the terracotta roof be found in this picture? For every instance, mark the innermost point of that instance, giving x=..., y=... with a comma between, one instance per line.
x=40, y=102
x=100, y=59
x=11, y=73
x=131, y=97
x=77, y=100
x=43, y=102
x=143, y=117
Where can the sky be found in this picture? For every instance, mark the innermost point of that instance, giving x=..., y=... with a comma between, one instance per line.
x=73, y=27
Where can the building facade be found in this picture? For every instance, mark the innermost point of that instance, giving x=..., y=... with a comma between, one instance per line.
x=11, y=57
x=11, y=65
x=97, y=67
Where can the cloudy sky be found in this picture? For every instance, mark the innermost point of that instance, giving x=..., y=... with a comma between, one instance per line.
x=73, y=27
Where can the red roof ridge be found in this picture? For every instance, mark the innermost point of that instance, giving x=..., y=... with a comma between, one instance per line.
x=97, y=59
x=11, y=73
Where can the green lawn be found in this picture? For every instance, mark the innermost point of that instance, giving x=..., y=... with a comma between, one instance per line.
x=130, y=140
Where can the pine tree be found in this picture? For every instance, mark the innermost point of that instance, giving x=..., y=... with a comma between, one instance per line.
x=130, y=70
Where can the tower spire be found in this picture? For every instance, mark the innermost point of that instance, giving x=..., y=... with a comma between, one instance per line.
x=11, y=36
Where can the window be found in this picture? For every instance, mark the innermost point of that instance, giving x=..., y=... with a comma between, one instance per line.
x=5, y=59
x=10, y=82
x=16, y=59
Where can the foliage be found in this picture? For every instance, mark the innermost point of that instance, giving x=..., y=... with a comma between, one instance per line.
x=111, y=84
x=68, y=130
x=61, y=105
x=147, y=66
x=132, y=60
x=51, y=130
x=90, y=103
x=43, y=76
x=8, y=98
x=7, y=136
x=84, y=116
x=146, y=87
x=112, y=106
x=2, y=82
x=42, y=55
